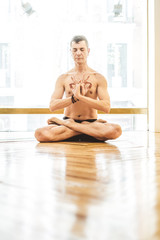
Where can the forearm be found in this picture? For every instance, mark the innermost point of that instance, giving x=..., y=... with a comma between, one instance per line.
x=101, y=105
x=60, y=104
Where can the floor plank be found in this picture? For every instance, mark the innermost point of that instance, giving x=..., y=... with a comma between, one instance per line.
x=74, y=191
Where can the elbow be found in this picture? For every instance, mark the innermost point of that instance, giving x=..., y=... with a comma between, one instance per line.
x=51, y=108
x=54, y=105
x=107, y=109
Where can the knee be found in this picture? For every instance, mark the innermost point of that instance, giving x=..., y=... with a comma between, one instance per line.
x=117, y=131
x=113, y=131
x=40, y=135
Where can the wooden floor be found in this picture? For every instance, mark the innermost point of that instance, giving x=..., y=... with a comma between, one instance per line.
x=74, y=191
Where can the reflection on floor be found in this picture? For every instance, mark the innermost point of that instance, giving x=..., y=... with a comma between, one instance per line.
x=74, y=191
x=16, y=136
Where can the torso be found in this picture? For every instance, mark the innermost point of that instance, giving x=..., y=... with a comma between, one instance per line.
x=80, y=110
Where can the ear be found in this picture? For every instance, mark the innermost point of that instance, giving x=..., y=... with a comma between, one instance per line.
x=88, y=51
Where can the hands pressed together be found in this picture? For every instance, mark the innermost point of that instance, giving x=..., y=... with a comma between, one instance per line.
x=81, y=86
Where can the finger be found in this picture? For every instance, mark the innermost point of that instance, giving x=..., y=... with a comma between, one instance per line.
x=73, y=78
x=84, y=80
x=87, y=78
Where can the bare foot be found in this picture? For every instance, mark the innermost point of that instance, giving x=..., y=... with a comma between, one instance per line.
x=57, y=121
x=54, y=120
x=101, y=121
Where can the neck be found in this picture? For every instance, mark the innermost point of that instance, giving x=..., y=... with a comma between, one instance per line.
x=81, y=68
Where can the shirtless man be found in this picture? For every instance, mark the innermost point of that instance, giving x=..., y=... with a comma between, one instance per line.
x=85, y=93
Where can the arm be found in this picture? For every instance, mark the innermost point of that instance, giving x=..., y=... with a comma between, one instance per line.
x=103, y=103
x=56, y=101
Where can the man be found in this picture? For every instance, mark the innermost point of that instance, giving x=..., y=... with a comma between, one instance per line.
x=85, y=93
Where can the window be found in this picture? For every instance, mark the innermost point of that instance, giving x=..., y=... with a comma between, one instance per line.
x=34, y=49
x=117, y=65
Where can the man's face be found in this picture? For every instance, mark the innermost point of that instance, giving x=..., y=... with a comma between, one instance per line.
x=79, y=52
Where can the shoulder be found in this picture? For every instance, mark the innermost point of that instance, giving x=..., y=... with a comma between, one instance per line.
x=61, y=79
x=98, y=75
x=101, y=80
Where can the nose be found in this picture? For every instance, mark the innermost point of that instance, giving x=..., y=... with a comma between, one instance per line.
x=78, y=52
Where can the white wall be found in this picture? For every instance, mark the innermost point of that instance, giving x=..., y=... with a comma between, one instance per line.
x=154, y=64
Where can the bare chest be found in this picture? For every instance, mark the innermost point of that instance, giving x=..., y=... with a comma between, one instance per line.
x=89, y=86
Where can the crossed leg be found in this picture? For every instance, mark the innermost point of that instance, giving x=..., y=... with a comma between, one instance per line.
x=60, y=130
x=54, y=133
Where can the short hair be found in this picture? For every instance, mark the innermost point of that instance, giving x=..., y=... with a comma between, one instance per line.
x=79, y=38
